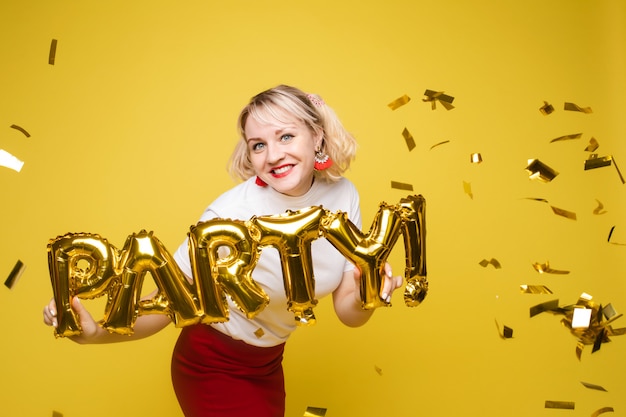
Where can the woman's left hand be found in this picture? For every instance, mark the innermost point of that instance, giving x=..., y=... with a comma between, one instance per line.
x=390, y=283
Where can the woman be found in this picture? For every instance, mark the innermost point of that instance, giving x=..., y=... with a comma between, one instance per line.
x=292, y=154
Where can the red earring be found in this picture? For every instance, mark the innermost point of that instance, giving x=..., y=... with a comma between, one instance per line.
x=258, y=181
x=322, y=161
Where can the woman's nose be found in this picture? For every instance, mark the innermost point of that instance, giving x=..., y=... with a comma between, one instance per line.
x=274, y=153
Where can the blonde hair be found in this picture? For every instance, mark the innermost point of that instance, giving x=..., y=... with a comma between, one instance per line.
x=281, y=103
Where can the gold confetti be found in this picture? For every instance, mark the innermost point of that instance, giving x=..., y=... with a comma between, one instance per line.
x=535, y=289
x=378, y=370
x=259, y=333
x=476, y=158
x=537, y=170
x=506, y=332
x=565, y=405
x=593, y=145
x=621, y=177
x=21, y=129
x=439, y=144
x=438, y=96
x=541, y=200
x=53, y=52
x=575, y=107
x=57, y=414
x=10, y=161
x=545, y=269
x=401, y=101
x=408, y=138
x=563, y=213
x=493, y=261
x=15, y=274
x=567, y=137
x=602, y=411
x=314, y=412
x=594, y=161
x=546, y=109
x=401, y=186
x=593, y=386
x=600, y=209
x=467, y=188
x=548, y=306
x=586, y=321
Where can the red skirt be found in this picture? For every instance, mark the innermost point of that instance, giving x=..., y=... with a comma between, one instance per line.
x=215, y=375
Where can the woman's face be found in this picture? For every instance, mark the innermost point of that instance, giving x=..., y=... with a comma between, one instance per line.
x=282, y=154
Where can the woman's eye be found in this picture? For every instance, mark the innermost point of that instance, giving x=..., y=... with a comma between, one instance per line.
x=258, y=146
x=286, y=137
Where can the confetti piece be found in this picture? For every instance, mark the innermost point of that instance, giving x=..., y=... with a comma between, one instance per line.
x=10, y=161
x=621, y=177
x=602, y=411
x=545, y=269
x=437, y=96
x=15, y=274
x=53, y=52
x=534, y=289
x=593, y=386
x=564, y=405
x=21, y=129
x=563, y=213
x=541, y=200
x=609, y=313
x=408, y=138
x=593, y=145
x=439, y=144
x=401, y=186
x=600, y=209
x=575, y=107
x=378, y=370
x=467, y=188
x=506, y=332
x=548, y=306
x=581, y=318
x=567, y=137
x=546, y=109
x=594, y=161
x=493, y=261
x=476, y=158
x=401, y=101
x=537, y=170
x=56, y=414
x=259, y=333
x=314, y=412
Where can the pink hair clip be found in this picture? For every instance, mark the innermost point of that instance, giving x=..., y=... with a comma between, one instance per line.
x=317, y=102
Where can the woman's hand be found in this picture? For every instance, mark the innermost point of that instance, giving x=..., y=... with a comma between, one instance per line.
x=90, y=328
x=390, y=283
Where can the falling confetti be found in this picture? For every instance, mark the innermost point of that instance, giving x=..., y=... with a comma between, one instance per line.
x=493, y=261
x=314, y=412
x=535, y=289
x=439, y=144
x=594, y=161
x=53, y=52
x=467, y=188
x=593, y=386
x=602, y=411
x=593, y=145
x=408, y=138
x=600, y=209
x=537, y=170
x=565, y=405
x=399, y=102
x=575, y=107
x=21, y=129
x=438, y=96
x=401, y=186
x=545, y=269
x=546, y=109
x=476, y=158
x=15, y=274
x=567, y=137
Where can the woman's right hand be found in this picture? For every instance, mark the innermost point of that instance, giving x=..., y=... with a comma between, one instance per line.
x=90, y=328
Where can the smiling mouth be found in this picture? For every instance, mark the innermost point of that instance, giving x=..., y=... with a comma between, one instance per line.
x=281, y=170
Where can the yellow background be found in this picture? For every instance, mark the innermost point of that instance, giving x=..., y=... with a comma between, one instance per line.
x=132, y=126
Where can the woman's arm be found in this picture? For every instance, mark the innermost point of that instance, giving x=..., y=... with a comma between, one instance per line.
x=92, y=333
x=347, y=297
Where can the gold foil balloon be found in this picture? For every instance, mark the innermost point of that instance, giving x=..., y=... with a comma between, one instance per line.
x=82, y=265
x=368, y=252
x=413, y=211
x=144, y=253
x=291, y=233
x=223, y=254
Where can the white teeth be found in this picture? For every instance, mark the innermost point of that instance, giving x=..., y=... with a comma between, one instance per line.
x=282, y=170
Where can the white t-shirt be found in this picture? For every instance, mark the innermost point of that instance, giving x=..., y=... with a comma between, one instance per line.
x=247, y=200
